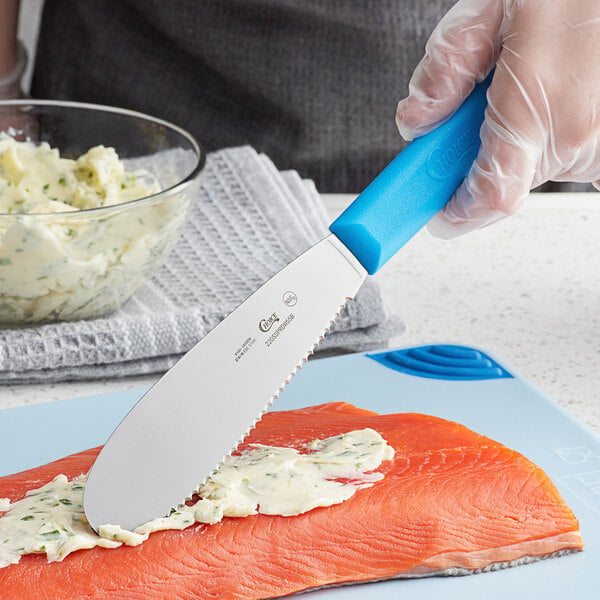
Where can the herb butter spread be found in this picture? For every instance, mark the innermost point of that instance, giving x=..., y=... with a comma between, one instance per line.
x=36, y=179
x=264, y=479
x=61, y=261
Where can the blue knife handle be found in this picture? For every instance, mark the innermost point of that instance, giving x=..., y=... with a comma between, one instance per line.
x=416, y=185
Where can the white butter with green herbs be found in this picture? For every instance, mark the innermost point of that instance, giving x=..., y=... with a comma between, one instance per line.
x=264, y=479
x=36, y=179
x=58, y=259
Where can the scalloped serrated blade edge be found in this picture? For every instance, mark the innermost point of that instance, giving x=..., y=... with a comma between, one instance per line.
x=199, y=411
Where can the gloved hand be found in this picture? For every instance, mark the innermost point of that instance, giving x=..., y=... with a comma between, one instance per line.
x=543, y=117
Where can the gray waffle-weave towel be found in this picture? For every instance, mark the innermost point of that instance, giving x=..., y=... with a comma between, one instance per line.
x=247, y=222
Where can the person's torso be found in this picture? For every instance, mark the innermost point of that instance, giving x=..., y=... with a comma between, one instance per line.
x=313, y=83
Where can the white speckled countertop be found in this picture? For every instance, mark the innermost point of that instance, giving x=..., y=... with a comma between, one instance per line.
x=526, y=289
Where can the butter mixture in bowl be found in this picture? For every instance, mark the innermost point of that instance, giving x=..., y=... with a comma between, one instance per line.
x=82, y=229
x=36, y=179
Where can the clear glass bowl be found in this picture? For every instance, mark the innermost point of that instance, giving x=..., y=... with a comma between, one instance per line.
x=86, y=263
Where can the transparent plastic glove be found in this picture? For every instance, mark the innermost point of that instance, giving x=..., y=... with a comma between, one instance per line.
x=543, y=117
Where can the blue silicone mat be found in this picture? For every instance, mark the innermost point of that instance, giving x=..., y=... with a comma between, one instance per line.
x=502, y=406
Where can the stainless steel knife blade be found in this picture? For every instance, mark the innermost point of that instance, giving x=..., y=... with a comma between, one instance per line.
x=179, y=431
x=156, y=458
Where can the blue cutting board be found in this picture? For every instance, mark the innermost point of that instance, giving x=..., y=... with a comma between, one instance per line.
x=466, y=385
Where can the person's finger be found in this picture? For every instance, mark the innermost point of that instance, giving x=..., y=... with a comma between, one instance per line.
x=460, y=53
x=495, y=188
x=497, y=184
x=513, y=138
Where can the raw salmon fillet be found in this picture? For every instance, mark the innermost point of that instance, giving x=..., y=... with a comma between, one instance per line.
x=452, y=502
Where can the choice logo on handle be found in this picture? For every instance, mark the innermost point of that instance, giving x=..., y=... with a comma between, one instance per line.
x=445, y=160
